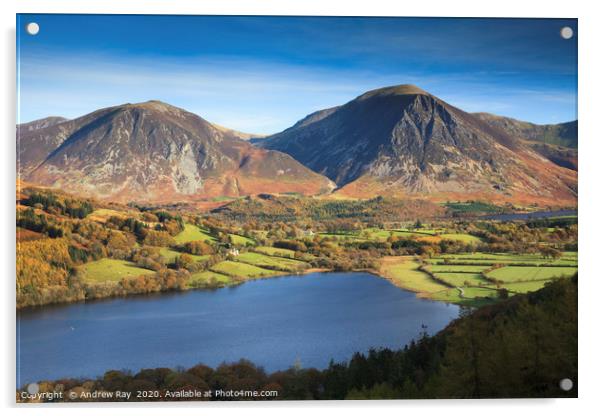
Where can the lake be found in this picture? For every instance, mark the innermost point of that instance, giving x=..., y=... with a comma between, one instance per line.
x=274, y=322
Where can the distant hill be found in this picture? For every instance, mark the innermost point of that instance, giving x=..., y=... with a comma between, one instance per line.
x=556, y=142
x=239, y=134
x=562, y=134
x=402, y=141
x=154, y=152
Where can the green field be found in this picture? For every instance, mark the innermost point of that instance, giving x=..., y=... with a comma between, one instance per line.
x=479, y=292
x=465, y=238
x=453, y=268
x=192, y=233
x=524, y=287
x=240, y=240
x=112, y=270
x=567, y=259
x=463, y=279
x=280, y=263
x=526, y=273
x=274, y=251
x=242, y=270
x=372, y=234
x=520, y=273
x=344, y=236
x=170, y=255
x=208, y=279
x=405, y=273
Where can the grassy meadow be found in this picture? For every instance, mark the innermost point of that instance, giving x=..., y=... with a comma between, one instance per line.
x=112, y=270
x=457, y=279
x=193, y=233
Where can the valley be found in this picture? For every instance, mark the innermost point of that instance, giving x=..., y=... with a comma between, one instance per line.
x=395, y=204
x=73, y=249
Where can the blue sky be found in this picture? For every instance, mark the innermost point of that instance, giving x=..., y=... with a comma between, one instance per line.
x=262, y=74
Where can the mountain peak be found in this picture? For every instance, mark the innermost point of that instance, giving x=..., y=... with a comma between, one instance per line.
x=402, y=141
x=151, y=105
x=402, y=89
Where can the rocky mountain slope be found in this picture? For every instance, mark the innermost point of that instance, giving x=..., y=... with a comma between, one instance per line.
x=40, y=123
x=154, y=152
x=402, y=141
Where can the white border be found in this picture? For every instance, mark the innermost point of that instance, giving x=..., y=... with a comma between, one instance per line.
x=590, y=139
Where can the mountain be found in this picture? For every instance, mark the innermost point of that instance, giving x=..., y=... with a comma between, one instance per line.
x=402, y=141
x=154, y=152
x=41, y=123
x=556, y=142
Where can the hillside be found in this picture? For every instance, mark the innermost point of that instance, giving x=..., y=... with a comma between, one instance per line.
x=402, y=141
x=154, y=152
x=562, y=134
x=556, y=142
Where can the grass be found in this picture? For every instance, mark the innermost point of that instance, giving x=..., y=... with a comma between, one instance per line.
x=520, y=273
x=453, y=268
x=208, y=279
x=280, y=263
x=192, y=233
x=112, y=270
x=567, y=259
x=463, y=279
x=384, y=234
x=524, y=287
x=240, y=240
x=170, y=255
x=480, y=292
x=425, y=234
x=470, y=296
x=241, y=270
x=466, y=284
x=465, y=238
x=403, y=272
x=274, y=251
x=526, y=273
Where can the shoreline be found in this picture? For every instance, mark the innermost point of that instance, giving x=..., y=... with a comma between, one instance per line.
x=375, y=272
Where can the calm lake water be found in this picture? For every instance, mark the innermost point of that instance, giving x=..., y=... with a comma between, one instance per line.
x=272, y=322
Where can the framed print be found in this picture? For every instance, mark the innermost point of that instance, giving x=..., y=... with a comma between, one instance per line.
x=295, y=208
